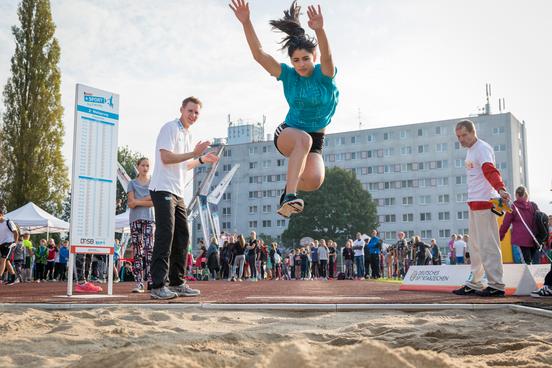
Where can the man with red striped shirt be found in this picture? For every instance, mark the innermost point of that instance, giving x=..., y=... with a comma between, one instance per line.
x=484, y=182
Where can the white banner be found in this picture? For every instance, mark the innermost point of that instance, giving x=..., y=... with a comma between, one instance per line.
x=435, y=278
x=519, y=279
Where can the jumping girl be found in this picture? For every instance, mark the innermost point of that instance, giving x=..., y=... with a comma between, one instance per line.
x=311, y=94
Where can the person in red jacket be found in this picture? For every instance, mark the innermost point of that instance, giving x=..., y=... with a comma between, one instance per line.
x=524, y=247
x=484, y=182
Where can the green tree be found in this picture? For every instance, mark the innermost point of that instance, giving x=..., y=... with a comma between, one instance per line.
x=128, y=159
x=336, y=211
x=32, y=166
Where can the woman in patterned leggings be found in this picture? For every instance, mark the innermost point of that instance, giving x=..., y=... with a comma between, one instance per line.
x=141, y=224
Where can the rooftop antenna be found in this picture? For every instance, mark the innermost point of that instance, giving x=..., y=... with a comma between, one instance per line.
x=359, y=120
x=487, y=110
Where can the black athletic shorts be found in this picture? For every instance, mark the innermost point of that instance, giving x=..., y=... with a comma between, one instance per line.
x=4, y=250
x=317, y=139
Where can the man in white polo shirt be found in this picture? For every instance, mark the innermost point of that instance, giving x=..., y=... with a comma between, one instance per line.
x=484, y=181
x=173, y=158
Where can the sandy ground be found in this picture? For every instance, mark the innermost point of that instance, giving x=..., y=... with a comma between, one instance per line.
x=132, y=337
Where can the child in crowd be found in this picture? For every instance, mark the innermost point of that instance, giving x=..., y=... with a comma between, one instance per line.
x=18, y=261
x=29, y=255
x=41, y=258
x=304, y=264
x=50, y=260
x=297, y=262
x=63, y=258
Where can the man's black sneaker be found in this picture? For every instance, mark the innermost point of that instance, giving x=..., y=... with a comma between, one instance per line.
x=543, y=292
x=291, y=205
x=464, y=290
x=490, y=292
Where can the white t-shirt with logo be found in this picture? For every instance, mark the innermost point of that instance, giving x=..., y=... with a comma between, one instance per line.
x=6, y=234
x=459, y=246
x=360, y=251
x=171, y=178
x=479, y=189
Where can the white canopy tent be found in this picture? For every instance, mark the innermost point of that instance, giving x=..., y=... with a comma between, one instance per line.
x=34, y=219
x=122, y=224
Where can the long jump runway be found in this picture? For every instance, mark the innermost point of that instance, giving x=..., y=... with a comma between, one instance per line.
x=262, y=292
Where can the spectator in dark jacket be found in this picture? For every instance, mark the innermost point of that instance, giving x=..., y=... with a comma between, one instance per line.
x=423, y=252
x=435, y=253
x=213, y=258
x=523, y=246
x=348, y=257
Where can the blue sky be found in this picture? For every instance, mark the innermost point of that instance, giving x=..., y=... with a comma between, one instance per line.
x=399, y=62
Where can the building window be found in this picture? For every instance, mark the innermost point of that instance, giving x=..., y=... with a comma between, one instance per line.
x=267, y=208
x=425, y=199
x=425, y=216
x=423, y=148
x=457, y=145
x=500, y=148
x=458, y=163
x=227, y=153
x=407, y=150
x=281, y=223
x=252, y=209
x=226, y=196
x=253, y=224
x=461, y=179
x=390, y=218
x=388, y=152
x=443, y=198
x=226, y=225
x=226, y=211
x=267, y=223
x=441, y=147
x=444, y=216
x=420, y=132
x=386, y=136
x=461, y=197
x=253, y=165
x=370, y=138
x=499, y=130
x=463, y=231
x=408, y=217
x=426, y=234
x=403, y=134
x=444, y=233
x=462, y=215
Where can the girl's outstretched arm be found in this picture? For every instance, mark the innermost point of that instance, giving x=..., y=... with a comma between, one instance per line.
x=316, y=23
x=241, y=10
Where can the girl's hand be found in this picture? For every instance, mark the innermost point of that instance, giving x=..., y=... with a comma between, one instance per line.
x=241, y=10
x=316, y=21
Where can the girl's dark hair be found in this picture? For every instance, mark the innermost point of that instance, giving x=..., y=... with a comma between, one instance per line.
x=140, y=160
x=290, y=25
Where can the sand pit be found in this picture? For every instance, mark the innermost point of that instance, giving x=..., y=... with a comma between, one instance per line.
x=134, y=337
